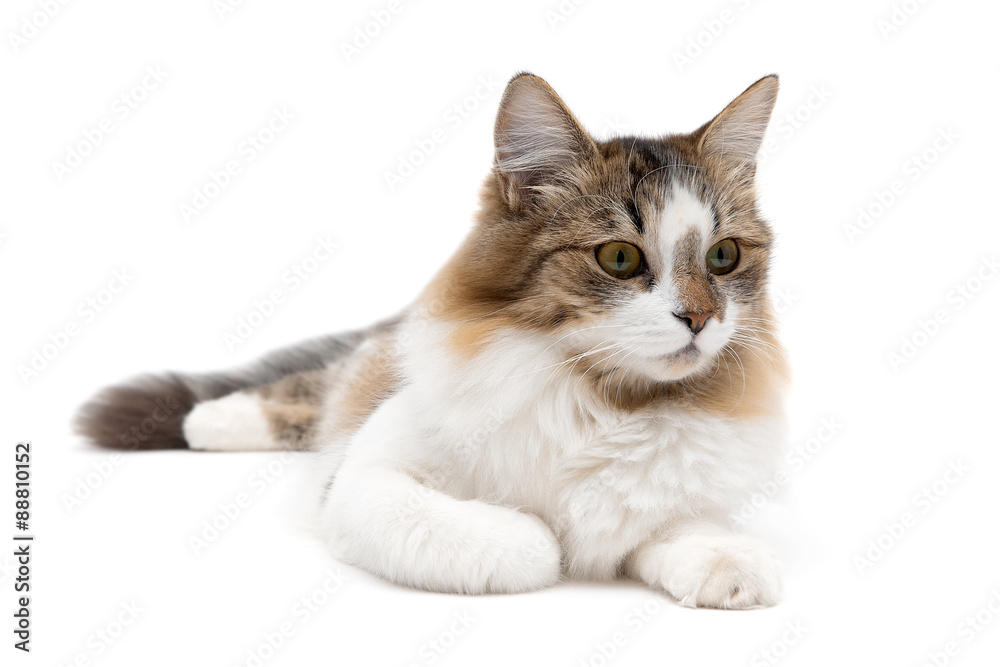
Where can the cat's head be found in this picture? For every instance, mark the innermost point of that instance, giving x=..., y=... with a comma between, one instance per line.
x=645, y=260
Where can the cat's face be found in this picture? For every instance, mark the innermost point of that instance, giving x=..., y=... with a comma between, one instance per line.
x=640, y=257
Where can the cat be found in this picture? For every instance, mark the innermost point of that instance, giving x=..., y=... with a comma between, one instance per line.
x=586, y=390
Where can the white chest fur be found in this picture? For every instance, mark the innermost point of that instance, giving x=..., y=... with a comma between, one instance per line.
x=509, y=428
x=639, y=475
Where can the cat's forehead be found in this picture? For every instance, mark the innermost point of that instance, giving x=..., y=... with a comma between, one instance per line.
x=650, y=171
x=681, y=214
x=662, y=189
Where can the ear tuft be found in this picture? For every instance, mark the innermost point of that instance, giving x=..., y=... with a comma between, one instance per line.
x=735, y=135
x=537, y=139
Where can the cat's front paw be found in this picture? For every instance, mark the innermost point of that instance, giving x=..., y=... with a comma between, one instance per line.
x=526, y=556
x=721, y=571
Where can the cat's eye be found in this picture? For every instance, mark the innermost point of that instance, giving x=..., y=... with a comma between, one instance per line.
x=722, y=257
x=621, y=260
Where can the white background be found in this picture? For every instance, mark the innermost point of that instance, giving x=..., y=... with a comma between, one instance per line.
x=863, y=102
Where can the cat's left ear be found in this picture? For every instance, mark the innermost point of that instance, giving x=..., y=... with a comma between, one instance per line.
x=537, y=139
x=735, y=135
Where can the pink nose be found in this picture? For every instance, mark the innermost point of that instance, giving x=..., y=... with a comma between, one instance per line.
x=695, y=321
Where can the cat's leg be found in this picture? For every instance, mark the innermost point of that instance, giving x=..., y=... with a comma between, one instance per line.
x=705, y=564
x=276, y=416
x=244, y=422
x=381, y=519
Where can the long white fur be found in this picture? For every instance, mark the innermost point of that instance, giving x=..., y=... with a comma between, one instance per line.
x=496, y=474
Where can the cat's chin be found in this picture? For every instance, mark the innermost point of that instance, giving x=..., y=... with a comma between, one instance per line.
x=677, y=365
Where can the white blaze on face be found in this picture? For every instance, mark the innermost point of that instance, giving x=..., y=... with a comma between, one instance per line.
x=682, y=213
x=642, y=334
x=645, y=325
x=682, y=216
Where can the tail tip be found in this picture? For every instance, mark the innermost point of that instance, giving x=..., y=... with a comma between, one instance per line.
x=145, y=413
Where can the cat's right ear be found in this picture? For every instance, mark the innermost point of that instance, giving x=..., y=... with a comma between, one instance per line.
x=537, y=140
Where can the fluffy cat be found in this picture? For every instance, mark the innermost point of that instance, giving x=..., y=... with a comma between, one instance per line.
x=587, y=389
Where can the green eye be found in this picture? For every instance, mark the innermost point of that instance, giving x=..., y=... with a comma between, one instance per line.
x=722, y=257
x=621, y=260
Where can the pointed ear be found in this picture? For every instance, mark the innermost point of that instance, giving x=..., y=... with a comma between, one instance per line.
x=735, y=135
x=537, y=140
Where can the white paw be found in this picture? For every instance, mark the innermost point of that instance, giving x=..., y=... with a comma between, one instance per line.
x=441, y=544
x=721, y=571
x=506, y=552
x=488, y=549
x=530, y=558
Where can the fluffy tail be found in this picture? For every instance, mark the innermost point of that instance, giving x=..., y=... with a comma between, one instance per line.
x=148, y=412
